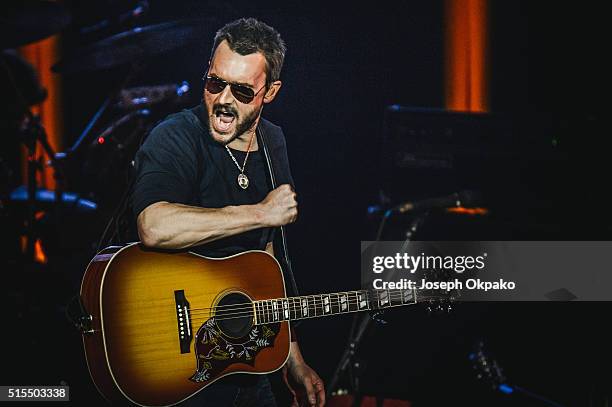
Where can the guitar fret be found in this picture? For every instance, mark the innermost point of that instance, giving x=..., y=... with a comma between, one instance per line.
x=285, y=309
x=335, y=303
x=310, y=311
x=350, y=301
x=326, y=304
x=275, y=310
x=408, y=296
x=281, y=311
x=304, y=307
x=362, y=301
x=398, y=301
x=312, y=305
x=383, y=298
x=342, y=303
x=279, y=307
x=262, y=311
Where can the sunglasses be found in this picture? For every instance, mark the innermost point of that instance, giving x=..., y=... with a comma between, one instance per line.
x=242, y=93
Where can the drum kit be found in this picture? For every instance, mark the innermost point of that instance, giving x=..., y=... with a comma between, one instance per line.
x=104, y=151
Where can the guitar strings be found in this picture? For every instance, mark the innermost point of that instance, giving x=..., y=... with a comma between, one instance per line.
x=315, y=297
x=292, y=304
x=266, y=311
x=250, y=315
x=316, y=300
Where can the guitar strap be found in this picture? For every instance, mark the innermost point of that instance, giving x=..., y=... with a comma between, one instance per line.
x=263, y=142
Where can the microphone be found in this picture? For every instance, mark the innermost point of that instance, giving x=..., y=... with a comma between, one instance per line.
x=461, y=198
x=146, y=96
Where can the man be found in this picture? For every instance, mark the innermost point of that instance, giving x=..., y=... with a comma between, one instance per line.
x=201, y=182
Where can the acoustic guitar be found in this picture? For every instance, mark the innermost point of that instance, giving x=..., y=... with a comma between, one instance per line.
x=160, y=326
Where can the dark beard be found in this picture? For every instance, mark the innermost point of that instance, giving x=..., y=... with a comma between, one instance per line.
x=246, y=124
x=242, y=126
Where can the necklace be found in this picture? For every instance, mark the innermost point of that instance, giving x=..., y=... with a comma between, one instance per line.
x=243, y=180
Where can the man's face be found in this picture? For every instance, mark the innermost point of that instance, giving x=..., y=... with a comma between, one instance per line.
x=228, y=117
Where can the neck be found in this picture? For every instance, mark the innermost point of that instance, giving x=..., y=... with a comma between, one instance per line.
x=241, y=143
x=314, y=306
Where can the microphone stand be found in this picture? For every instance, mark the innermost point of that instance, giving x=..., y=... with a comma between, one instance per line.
x=32, y=132
x=348, y=363
x=135, y=68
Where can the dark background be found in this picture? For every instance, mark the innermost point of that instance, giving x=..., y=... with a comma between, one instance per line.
x=345, y=64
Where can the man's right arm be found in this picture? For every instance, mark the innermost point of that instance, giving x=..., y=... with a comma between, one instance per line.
x=168, y=225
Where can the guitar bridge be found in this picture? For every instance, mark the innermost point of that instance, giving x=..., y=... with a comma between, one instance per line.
x=183, y=321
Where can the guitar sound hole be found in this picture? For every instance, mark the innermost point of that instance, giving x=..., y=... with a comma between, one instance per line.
x=234, y=315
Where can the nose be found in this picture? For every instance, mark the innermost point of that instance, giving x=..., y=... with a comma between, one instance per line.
x=226, y=97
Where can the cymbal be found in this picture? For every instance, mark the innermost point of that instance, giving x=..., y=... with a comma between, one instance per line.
x=47, y=198
x=26, y=21
x=134, y=45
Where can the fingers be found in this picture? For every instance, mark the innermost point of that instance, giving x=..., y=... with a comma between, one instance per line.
x=310, y=392
x=289, y=201
x=320, y=392
x=315, y=391
x=294, y=400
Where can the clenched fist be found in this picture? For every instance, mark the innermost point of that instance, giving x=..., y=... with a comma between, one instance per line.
x=280, y=206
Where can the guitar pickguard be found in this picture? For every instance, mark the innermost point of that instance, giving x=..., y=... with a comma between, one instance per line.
x=215, y=351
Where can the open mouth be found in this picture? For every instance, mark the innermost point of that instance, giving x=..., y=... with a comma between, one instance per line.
x=223, y=120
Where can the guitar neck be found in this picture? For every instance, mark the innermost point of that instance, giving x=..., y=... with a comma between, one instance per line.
x=321, y=305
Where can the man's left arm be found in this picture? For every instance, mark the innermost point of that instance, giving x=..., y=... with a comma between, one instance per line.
x=303, y=382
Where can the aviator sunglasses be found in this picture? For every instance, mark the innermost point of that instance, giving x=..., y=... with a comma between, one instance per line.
x=242, y=93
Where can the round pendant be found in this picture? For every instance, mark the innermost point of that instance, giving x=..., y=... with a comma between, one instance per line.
x=243, y=181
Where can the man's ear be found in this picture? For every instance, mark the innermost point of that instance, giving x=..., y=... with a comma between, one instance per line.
x=271, y=93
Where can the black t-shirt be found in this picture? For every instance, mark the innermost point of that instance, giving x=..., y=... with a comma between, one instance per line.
x=181, y=163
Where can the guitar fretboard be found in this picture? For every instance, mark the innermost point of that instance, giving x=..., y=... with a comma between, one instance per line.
x=319, y=305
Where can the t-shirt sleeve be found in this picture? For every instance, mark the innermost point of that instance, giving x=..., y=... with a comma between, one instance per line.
x=165, y=166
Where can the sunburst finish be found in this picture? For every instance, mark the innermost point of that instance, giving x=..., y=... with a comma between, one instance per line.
x=134, y=352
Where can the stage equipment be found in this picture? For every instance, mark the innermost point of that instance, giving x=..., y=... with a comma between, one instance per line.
x=46, y=199
x=490, y=373
x=134, y=46
x=520, y=167
x=27, y=21
x=103, y=153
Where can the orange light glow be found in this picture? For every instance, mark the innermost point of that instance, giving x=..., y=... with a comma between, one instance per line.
x=39, y=253
x=468, y=211
x=466, y=55
x=42, y=55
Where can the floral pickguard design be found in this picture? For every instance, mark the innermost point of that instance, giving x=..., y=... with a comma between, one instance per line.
x=215, y=351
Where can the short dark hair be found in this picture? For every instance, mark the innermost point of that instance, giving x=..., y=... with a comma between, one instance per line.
x=248, y=36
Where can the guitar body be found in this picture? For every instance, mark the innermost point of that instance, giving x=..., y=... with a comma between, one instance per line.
x=166, y=325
